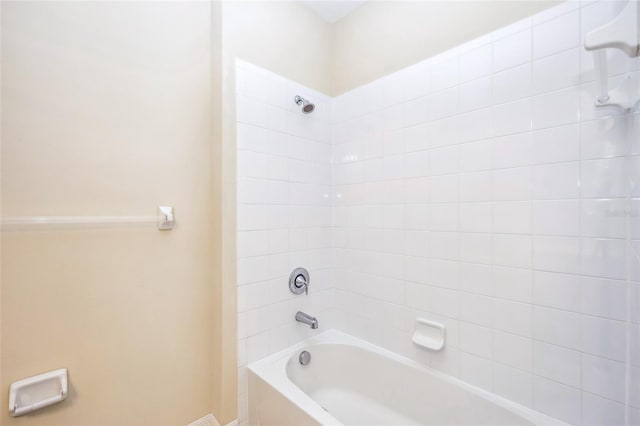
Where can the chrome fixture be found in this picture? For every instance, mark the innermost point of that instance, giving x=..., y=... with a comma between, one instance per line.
x=307, y=107
x=307, y=319
x=299, y=281
x=304, y=358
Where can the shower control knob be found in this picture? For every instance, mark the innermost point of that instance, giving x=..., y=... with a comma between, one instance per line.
x=299, y=281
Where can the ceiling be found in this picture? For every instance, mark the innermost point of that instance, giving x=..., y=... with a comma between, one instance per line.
x=332, y=10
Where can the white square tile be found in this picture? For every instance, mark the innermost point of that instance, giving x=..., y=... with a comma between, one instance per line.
x=476, y=339
x=475, y=156
x=556, y=144
x=417, y=190
x=393, y=167
x=443, y=160
x=417, y=296
x=601, y=411
x=475, y=217
x=475, y=94
x=416, y=111
x=514, y=351
x=476, y=309
x=556, y=72
x=417, y=80
x=604, y=337
x=475, y=125
x=606, y=178
x=250, y=111
x=556, y=35
x=417, y=217
x=512, y=217
x=252, y=269
x=603, y=258
x=443, y=217
x=512, y=250
x=556, y=254
x=417, y=243
x=443, y=245
x=557, y=363
x=603, y=377
x=512, y=317
x=555, y=290
x=252, y=138
x=253, y=217
x=556, y=217
x=392, y=144
x=513, y=384
x=604, y=138
x=556, y=181
x=604, y=298
x=512, y=151
x=557, y=400
x=443, y=301
x=557, y=327
x=475, y=248
x=475, y=278
x=416, y=164
x=512, y=84
x=253, y=243
x=512, y=283
x=476, y=63
x=444, y=74
x=556, y=108
x=415, y=270
x=603, y=218
x=512, y=50
x=444, y=104
x=444, y=189
x=446, y=361
x=476, y=370
x=416, y=138
x=443, y=273
x=512, y=184
x=444, y=132
x=253, y=191
x=252, y=164
x=512, y=117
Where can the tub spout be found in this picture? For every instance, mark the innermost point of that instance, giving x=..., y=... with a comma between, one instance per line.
x=307, y=319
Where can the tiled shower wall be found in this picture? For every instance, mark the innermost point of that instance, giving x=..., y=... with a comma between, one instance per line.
x=479, y=188
x=284, y=214
x=482, y=189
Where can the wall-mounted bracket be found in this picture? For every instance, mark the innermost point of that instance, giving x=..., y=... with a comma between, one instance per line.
x=166, y=221
x=620, y=33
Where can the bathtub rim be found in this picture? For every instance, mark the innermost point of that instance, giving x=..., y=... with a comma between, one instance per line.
x=272, y=369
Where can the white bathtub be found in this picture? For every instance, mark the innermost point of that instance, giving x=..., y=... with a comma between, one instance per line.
x=352, y=382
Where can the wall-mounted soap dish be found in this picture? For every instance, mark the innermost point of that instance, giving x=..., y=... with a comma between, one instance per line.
x=37, y=392
x=429, y=334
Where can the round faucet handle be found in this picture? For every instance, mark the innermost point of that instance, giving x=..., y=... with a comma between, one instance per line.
x=299, y=281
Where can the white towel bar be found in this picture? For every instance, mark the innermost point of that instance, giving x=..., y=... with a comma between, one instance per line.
x=164, y=221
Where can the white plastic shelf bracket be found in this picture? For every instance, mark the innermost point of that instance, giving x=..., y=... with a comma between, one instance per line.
x=620, y=33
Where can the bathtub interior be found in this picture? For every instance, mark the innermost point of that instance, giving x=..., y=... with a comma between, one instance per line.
x=353, y=382
x=365, y=388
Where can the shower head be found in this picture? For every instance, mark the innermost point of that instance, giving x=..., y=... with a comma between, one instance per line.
x=307, y=107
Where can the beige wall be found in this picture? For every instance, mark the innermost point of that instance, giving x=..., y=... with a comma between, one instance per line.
x=381, y=37
x=281, y=36
x=107, y=110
